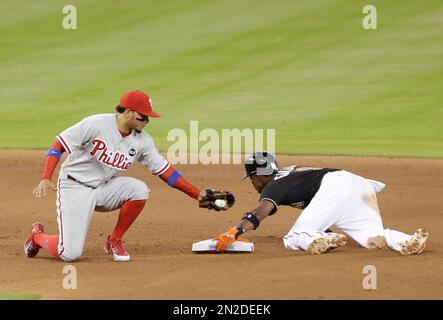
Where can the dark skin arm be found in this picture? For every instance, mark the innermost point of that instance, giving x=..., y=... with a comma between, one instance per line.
x=263, y=210
x=264, y=207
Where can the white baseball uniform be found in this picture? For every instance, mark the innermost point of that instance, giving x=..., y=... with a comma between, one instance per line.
x=88, y=178
x=334, y=198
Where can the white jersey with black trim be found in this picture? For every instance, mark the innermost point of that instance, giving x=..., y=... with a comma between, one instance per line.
x=97, y=151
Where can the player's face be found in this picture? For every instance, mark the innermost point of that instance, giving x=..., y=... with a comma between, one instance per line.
x=138, y=121
x=258, y=183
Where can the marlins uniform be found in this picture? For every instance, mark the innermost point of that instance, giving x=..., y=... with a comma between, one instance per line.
x=328, y=197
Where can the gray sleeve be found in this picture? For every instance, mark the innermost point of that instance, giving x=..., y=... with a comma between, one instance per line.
x=78, y=135
x=152, y=159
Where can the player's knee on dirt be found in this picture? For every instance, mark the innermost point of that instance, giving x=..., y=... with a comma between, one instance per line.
x=377, y=242
x=369, y=239
x=71, y=251
x=71, y=256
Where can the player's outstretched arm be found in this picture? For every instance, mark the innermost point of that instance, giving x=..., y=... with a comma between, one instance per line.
x=250, y=221
x=212, y=199
x=175, y=180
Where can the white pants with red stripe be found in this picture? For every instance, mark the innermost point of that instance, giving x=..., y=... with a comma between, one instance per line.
x=76, y=203
x=349, y=202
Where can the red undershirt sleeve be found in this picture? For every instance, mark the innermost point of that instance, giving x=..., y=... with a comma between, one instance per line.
x=174, y=178
x=52, y=159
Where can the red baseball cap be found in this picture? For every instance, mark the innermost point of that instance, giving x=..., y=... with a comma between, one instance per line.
x=138, y=101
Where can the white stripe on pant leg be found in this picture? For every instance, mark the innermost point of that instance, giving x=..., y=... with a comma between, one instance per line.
x=76, y=206
x=60, y=248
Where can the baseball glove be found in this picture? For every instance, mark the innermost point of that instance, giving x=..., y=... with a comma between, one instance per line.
x=217, y=200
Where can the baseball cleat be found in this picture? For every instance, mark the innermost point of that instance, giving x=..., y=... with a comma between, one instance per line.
x=327, y=243
x=115, y=247
x=416, y=244
x=30, y=247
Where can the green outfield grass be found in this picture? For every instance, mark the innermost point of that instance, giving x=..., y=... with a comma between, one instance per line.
x=19, y=296
x=305, y=68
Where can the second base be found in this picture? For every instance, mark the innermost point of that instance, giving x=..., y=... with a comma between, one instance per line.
x=208, y=246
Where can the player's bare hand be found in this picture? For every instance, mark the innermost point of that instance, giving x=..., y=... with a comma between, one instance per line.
x=42, y=188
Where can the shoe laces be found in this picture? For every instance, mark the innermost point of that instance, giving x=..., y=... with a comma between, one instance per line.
x=117, y=247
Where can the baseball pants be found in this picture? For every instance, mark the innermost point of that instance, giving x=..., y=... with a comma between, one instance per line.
x=349, y=202
x=76, y=203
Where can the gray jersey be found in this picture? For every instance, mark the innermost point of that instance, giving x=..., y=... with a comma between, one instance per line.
x=97, y=151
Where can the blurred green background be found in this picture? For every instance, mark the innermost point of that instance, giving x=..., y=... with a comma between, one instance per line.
x=304, y=68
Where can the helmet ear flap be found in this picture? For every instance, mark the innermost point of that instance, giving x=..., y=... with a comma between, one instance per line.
x=250, y=167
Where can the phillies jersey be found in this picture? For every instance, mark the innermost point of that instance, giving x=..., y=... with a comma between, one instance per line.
x=97, y=151
x=293, y=188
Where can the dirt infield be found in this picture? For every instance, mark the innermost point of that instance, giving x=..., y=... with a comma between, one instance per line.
x=163, y=266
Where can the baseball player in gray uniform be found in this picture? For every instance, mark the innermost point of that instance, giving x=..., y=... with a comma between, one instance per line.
x=100, y=147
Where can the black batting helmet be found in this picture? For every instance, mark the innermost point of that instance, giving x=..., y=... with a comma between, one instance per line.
x=260, y=163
